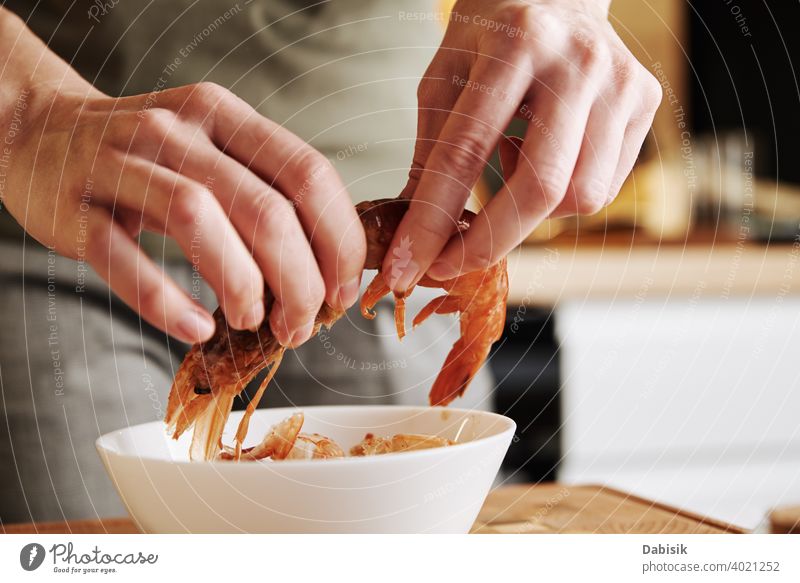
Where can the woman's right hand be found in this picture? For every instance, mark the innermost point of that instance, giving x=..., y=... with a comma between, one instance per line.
x=245, y=199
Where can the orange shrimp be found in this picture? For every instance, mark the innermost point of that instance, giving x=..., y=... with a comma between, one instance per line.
x=214, y=372
x=313, y=446
x=277, y=444
x=372, y=445
x=478, y=297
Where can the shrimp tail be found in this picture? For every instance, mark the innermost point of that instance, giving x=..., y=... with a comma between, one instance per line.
x=460, y=367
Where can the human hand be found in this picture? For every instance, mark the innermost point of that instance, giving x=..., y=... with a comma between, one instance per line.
x=559, y=65
x=200, y=165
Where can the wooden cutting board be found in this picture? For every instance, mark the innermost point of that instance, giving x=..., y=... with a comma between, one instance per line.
x=555, y=508
x=518, y=509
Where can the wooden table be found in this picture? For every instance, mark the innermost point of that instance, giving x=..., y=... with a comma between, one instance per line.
x=519, y=509
x=547, y=274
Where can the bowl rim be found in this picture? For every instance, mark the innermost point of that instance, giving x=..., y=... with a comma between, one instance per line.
x=511, y=426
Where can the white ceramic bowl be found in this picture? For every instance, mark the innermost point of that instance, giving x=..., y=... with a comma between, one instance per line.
x=434, y=490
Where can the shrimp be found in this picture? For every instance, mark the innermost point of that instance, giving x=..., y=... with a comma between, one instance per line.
x=413, y=442
x=284, y=441
x=479, y=297
x=278, y=444
x=314, y=446
x=214, y=372
x=372, y=445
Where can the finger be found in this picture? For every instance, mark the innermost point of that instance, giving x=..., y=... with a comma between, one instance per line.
x=437, y=94
x=547, y=161
x=329, y=220
x=635, y=133
x=193, y=217
x=276, y=238
x=465, y=143
x=273, y=233
x=140, y=284
x=597, y=161
x=310, y=182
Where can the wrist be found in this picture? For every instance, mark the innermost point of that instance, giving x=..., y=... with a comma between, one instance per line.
x=30, y=71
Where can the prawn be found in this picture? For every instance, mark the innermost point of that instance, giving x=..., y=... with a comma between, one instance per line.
x=479, y=297
x=214, y=372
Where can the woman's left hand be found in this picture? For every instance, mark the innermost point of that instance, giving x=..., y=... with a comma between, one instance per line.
x=559, y=65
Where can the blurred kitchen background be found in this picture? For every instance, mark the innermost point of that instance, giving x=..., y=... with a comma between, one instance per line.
x=655, y=347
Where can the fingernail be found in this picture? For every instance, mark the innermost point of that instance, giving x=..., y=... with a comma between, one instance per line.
x=403, y=270
x=348, y=293
x=402, y=275
x=254, y=316
x=441, y=271
x=195, y=326
x=302, y=334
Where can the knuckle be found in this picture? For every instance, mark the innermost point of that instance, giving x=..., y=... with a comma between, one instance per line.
x=99, y=235
x=591, y=54
x=626, y=71
x=429, y=86
x=209, y=95
x=525, y=21
x=652, y=92
x=591, y=197
x=156, y=123
x=270, y=212
x=243, y=291
x=464, y=155
x=552, y=181
x=309, y=169
x=519, y=16
x=151, y=298
x=187, y=205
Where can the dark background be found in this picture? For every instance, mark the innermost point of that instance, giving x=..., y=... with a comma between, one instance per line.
x=749, y=83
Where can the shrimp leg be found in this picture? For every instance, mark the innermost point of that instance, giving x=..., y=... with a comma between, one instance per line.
x=440, y=305
x=244, y=424
x=376, y=290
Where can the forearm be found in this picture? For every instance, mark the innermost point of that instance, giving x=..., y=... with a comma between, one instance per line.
x=26, y=65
